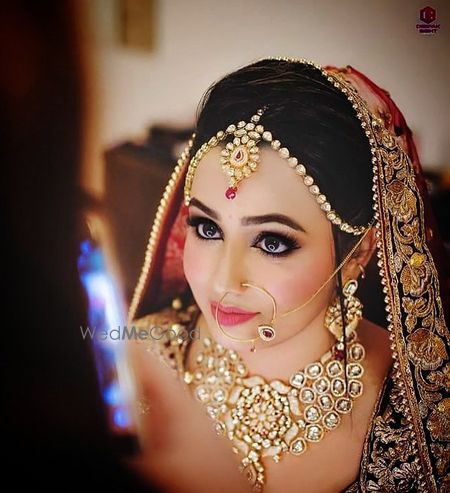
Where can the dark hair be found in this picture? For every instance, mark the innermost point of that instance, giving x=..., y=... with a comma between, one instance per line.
x=310, y=116
x=317, y=123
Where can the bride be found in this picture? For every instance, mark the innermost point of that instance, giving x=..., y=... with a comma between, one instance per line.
x=295, y=281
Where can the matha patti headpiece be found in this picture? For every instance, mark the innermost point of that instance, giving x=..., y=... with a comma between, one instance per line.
x=240, y=156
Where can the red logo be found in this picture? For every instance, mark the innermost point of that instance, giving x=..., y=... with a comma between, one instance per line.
x=427, y=16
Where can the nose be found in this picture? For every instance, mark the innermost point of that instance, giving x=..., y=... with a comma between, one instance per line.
x=230, y=271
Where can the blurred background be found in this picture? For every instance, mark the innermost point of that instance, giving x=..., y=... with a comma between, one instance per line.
x=98, y=97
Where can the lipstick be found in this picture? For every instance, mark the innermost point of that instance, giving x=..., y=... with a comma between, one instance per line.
x=230, y=315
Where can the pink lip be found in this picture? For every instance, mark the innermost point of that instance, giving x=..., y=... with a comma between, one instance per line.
x=231, y=315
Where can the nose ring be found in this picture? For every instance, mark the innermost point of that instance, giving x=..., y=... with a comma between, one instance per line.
x=266, y=332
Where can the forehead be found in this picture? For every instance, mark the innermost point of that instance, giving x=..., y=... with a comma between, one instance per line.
x=273, y=188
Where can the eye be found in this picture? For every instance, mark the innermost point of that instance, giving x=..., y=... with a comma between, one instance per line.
x=205, y=229
x=275, y=245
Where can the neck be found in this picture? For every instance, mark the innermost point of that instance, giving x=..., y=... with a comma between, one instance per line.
x=277, y=361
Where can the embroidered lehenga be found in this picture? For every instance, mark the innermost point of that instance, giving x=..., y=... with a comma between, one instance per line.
x=406, y=446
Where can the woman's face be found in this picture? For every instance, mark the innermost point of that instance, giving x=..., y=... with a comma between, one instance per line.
x=273, y=234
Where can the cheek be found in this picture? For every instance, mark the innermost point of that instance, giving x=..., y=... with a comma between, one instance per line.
x=196, y=266
x=302, y=280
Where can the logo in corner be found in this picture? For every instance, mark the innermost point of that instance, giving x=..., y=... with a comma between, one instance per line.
x=427, y=17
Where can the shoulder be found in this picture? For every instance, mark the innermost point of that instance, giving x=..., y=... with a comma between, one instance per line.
x=158, y=334
x=164, y=333
x=167, y=316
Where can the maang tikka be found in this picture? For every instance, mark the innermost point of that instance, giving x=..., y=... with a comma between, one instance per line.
x=240, y=158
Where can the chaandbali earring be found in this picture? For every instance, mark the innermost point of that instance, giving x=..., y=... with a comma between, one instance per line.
x=353, y=307
x=266, y=332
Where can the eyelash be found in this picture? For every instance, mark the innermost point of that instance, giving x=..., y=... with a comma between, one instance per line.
x=289, y=241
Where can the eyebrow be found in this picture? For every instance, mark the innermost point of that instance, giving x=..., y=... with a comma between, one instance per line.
x=250, y=220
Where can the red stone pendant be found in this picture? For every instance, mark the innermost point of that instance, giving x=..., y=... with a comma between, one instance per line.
x=266, y=332
x=230, y=193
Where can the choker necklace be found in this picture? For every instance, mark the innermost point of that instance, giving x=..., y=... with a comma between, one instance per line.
x=269, y=419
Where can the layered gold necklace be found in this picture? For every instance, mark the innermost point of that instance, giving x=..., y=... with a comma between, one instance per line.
x=268, y=419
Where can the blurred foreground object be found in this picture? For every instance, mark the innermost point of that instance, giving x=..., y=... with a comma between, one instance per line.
x=53, y=413
x=106, y=317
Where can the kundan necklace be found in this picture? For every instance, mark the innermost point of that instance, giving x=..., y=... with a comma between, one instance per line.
x=268, y=419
